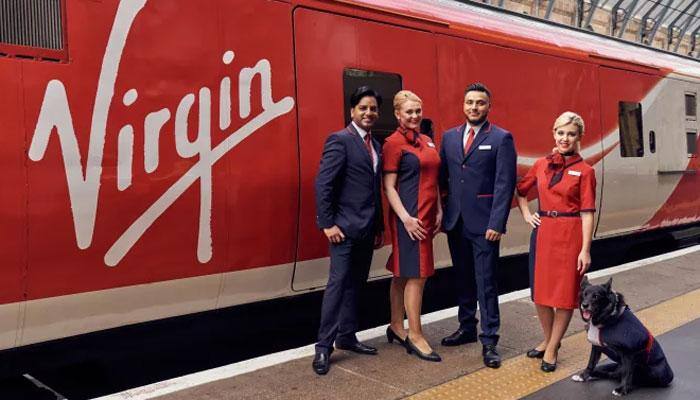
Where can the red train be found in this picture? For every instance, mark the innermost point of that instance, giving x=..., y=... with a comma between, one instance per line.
x=158, y=156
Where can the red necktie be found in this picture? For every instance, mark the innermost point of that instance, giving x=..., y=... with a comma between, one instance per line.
x=368, y=141
x=470, y=139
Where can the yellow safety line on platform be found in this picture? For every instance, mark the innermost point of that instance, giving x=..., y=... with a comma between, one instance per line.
x=521, y=376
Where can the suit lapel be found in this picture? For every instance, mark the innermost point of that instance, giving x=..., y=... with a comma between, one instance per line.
x=459, y=147
x=480, y=137
x=377, y=149
x=361, y=143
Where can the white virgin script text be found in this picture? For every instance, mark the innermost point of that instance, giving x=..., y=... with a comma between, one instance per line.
x=84, y=185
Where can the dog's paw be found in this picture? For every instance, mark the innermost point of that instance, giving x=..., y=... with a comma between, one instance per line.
x=620, y=391
x=582, y=377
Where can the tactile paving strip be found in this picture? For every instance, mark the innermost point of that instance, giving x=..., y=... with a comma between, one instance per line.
x=521, y=376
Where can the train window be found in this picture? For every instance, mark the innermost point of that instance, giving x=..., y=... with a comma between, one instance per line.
x=652, y=141
x=33, y=29
x=387, y=84
x=692, y=143
x=631, y=137
x=690, y=106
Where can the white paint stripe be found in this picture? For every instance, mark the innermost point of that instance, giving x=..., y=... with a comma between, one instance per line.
x=41, y=385
x=239, y=368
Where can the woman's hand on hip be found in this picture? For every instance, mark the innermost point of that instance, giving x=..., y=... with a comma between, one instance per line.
x=584, y=261
x=415, y=228
x=533, y=219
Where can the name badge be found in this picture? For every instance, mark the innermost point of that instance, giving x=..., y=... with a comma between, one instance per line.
x=431, y=144
x=574, y=173
x=485, y=147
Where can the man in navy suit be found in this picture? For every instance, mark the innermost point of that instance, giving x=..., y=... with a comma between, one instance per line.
x=349, y=211
x=478, y=167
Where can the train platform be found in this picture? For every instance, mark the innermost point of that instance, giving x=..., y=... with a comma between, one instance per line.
x=663, y=291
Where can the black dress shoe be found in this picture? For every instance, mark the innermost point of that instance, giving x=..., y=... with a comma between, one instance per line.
x=547, y=367
x=534, y=353
x=491, y=357
x=321, y=363
x=459, y=337
x=412, y=349
x=357, y=347
x=391, y=336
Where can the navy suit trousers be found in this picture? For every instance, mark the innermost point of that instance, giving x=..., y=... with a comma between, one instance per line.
x=350, y=263
x=475, y=260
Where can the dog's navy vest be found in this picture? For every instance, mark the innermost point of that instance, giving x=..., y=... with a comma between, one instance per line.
x=628, y=334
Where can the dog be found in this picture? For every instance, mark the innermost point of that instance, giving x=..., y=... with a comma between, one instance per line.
x=613, y=330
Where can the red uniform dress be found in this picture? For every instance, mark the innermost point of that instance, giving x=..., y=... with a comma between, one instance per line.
x=415, y=159
x=565, y=189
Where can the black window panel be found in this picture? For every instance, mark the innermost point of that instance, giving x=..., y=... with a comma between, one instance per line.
x=691, y=139
x=690, y=105
x=386, y=84
x=32, y=23
x=631, y=136
x=652, y=141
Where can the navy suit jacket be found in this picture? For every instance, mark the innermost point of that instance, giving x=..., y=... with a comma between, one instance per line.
x=348, y=190
x=480, y=184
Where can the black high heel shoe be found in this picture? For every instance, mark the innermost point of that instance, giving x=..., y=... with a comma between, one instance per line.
x=547, y=367
x=534, y=353
x=411, y=348
x=391, y=336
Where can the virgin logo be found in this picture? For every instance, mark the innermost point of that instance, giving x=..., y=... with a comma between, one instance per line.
x=84, y=185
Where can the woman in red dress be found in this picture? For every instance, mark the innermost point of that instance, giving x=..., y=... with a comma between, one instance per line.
x=410, y=164
x=560, y=243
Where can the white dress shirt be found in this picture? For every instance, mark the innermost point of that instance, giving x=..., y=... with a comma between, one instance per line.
x=363, y=133
x=476, y=128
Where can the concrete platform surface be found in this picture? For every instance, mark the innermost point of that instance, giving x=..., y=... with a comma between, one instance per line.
x=393, y=374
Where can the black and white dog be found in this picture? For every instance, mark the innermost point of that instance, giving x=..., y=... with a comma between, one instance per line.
x=613, y=330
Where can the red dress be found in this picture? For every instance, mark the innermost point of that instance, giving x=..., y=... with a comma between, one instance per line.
x=564, y=187
x=414, y=157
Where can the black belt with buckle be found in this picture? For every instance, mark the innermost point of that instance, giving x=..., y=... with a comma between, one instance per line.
x=555, y=214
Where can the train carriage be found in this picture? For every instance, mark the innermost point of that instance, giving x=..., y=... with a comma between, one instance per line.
x=158, y=157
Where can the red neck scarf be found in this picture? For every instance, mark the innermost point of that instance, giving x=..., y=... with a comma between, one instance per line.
x=411, y=135
x=557, y=163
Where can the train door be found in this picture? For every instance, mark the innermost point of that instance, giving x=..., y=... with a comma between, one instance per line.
x=675, y=146
x=335, y=54
x=13, y=201
x=636, y=113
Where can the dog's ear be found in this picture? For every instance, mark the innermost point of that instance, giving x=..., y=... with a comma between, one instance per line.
x=608, y=285
x=584, y=282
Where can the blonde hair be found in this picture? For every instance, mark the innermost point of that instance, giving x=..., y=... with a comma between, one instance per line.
x=569, y=117
x=403, y=96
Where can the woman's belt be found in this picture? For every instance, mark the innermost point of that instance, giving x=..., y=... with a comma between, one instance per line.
x=556, y=214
